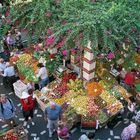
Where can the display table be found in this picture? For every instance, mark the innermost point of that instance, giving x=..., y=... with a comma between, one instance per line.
x=103, y=106
x=17, y=133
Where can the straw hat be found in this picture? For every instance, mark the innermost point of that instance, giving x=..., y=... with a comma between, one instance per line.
x=24, y=95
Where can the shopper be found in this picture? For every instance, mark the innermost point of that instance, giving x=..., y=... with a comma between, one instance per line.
x=129, y=132
x=43, y=75
x=63, y=131
x=131, y=108
x=53, y=114
x=27, y=106
x=2, y=53
x=10, y=41
x=89, y=136
x=18, y=39
x=9, y=75
x=7, y=110
x=2, y=65
x=2, y=68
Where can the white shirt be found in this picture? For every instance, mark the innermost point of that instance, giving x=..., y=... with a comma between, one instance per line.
x=83, y=137
x=131, y=107
x=43, y=74
x=9, y=71
x=2, y=66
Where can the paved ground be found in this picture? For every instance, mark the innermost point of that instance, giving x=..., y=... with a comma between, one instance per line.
x=39, y=130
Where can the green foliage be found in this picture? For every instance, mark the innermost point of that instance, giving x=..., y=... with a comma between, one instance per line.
x=104, y=22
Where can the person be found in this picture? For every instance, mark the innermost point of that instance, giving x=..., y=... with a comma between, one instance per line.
x=10, y=41
x=18, y=39
x=129, y=80
x=2, y=53
x=7, y=110
x=129, y=132
x=137, y=87
x=89, y=136
x=27, y=106
x=53, y=113
x=2, y=68
x=63, y=131
x=9, y=75
x=131, y=107
x=43, y=75
x=2, y=65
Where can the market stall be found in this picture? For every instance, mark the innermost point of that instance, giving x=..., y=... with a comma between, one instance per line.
x=17, y=133
x=88, y=105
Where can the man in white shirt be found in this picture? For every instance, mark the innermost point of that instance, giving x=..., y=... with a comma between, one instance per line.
x=43, y=75
x=9, y=75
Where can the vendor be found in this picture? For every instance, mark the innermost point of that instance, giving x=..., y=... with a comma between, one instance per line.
x=129, y=80
x=43, y=75
x=10, y=75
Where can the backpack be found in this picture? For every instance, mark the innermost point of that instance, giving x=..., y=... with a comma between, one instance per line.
x=12, y=109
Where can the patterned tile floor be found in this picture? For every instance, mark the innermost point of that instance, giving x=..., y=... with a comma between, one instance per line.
x=38, y=130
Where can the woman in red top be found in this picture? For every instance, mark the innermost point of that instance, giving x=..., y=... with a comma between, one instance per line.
x=130, y=80
x=27, y=105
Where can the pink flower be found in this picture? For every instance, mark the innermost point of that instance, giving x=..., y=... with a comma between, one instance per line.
x=69, y=31
x=24, y=30
x=110, y=56
x=60, y=44
x=50, y=40
x=65, y=52
x=73, y=51
x=64, y=22
x=8, y=21
x=81, y=35
x=37, y=47
x=48, y=14
x=7, y=13
x=49, y=32
x=78, y=58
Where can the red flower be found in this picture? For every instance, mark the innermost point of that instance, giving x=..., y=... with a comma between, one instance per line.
x=52, y=56
x=60, y=44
